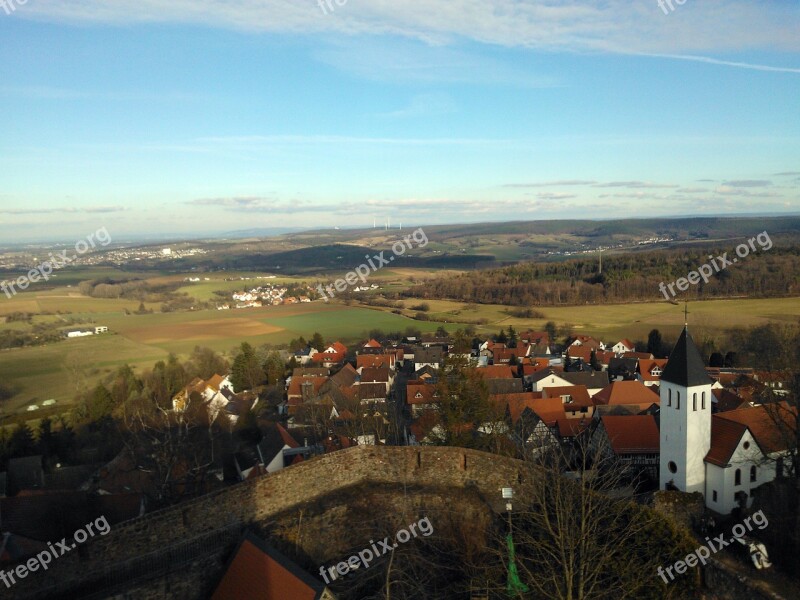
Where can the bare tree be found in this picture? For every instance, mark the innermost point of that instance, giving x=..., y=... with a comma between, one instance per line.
x=578, y=538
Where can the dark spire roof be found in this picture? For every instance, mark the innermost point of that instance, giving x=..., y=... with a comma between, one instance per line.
x=685, y=366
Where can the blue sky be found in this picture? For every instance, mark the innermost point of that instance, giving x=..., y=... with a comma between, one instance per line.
x=200, y=116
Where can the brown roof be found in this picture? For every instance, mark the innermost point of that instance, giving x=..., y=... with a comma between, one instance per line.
x=639, y=355
x=626, y=392
x=374, y=375
x=259, y=572
x=346, y=376
x=632, y=434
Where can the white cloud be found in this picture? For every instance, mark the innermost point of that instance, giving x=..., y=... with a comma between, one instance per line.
x=627, y=26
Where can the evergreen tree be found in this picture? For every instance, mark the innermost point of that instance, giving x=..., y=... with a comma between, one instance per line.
x=21, y=442
x=512, y=337
x=274, y=368
x=317, y=342
x=655, y=345
x=246, y=373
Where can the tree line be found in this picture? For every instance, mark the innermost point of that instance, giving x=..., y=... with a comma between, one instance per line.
x=625, y=278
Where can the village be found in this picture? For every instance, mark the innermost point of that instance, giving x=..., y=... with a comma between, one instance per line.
x=667, y=423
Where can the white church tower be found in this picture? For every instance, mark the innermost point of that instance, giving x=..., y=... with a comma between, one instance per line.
x=685, y=418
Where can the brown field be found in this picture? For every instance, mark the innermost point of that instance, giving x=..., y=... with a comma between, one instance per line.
x=211, y=329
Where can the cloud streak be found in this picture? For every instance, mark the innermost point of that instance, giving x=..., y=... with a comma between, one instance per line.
x=618, y=26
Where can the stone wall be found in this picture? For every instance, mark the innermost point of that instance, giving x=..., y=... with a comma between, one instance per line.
x=195, y=530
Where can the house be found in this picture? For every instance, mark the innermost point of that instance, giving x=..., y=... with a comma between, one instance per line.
x=432, y=357
x=421, y=397
x=623, y=368
x=588, y=341
x=577, y=402
x=749, y=447
x=257, y=571
x=582, y=353
x=303, y=390
x=375, y=361
x=649, y=370
x=275, y=441
x=79, y=333
x=380, y=375
x=724, y=456
x=593, y=380
x=100, y=329
x=214, y=393
x=622, y=346
x=371, y=346
x=505, y=356
x=633, y=440
x=536, y=425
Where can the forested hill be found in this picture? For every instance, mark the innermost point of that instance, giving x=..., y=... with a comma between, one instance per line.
x=625, y=278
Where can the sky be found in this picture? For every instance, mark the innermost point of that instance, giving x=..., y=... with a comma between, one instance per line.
x=202, y=117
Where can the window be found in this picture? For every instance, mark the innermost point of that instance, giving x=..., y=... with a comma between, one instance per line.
x=669, y=397
x=673, y=468
x=678, y=401
x=753, y=473
x=714, y=495
x=694, y=401
x=703, y=401
x=779, y=468
x=746, y=445
x=737, y=478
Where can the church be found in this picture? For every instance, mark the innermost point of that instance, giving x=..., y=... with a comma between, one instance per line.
x=724, y=456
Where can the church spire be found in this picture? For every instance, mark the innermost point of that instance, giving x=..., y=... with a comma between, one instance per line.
x=685, y=366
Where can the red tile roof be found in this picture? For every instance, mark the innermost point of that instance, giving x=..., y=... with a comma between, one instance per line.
x=570, y=428
x=626, y=392
x=420, y=393
x=579, y=394
x=496, y=372
x=515, y=403
x=772, y=425
x=296, y=385
x=549, y=410
x=259, y=572
x=582, y=352
x=725, y=438
x=632, y=434
x=646, y=367
x=375, y=360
